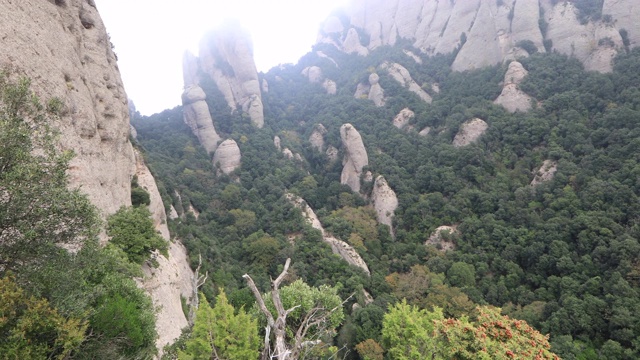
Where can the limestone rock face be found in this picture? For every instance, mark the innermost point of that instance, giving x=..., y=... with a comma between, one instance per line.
x=226, y=55
x=198, y=118
x=376, y=93
x=173, y=277
x=545, y=173
x=486, y=32
x=355, y=157
x=384, y=201
x=512, y=98
x=438, y=238
x=425, y=131
x=227, y=156
x=65, y=51
x=277, y=142
x=470, y=132
x=341, y=248
x=317, y=137
x=402, y=76
x=402, y=119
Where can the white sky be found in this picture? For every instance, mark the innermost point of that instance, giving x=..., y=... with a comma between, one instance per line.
x=150, y=37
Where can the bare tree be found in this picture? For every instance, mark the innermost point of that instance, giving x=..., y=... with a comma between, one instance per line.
x=198, y=281
x=284, y=349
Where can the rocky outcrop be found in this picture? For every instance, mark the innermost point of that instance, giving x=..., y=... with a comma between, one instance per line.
x=332, y=153
x=313, y=74
x=376, y=93
x=385, y=202
x=425, y=131
x=340, y=248
x=402, y=76
x=198, y=118
x=227, y=157
x=470, y=132
x=226, y=55
x=415, y=57
x=173, y=276
x=265, y=86
x=65, y=50
x=277, y=142
x=545, y=173
x=355, y=157
x=443, y=238
x=325, y=56
x=317, y=137
x=402, y=119
x=512, y=98
x=486, y=32
x=330, y=87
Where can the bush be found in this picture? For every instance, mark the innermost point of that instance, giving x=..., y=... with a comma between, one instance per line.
x=132, y=230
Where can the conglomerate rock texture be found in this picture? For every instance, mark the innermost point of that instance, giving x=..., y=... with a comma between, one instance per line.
x=63, y=47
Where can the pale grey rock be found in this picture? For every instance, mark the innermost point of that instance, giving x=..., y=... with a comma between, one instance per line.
x=227, y=157
x=352, y=45
x=172, y=278
x=298, y=157
x=277, y=142
x=325, y=56
x=362, y=91
x=133, y=132
x=425, y=131
x=470, y=132
x=190, y=69
x=436, y=88
x=376, y=92
x=332, y=153
x=545, y=173
x=313, y=74
x=193, y=211
x=287, y=153
x=265, y=86
x=385, y=202
x=330, y=86
x=492, y=29
x=402, y=76
x=625, y=15
x=402, y=119
x=415, y=57
x=512, y=98
x=439, y=240
x=355, y=157
x=65, y=51
x=226, y=55
x=173, y=214
x=317, y=137
x=197, y=116
x=368, y=177
x=338, y=247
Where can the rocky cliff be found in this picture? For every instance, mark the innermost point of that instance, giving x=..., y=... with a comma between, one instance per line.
x=173, y=278
x=226, y=56
x=385, y=202
x=486, y=32
x=63, y=47
x=198, y=118
x=355, y=157
x=512, y=98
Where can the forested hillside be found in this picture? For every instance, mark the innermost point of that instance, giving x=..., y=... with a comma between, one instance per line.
x=561, y=254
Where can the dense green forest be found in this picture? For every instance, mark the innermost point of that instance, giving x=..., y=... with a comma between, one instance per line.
x=562, y=255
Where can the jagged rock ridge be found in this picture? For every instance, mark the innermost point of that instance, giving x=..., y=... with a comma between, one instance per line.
x=339, y=247
x=226, y=56
x=485, y=32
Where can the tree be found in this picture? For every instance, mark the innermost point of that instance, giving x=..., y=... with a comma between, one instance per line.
x=37, y=211
x=219, y=333
x=298, y=316
x=131, y=229
x=31, y=329
x=370, y=350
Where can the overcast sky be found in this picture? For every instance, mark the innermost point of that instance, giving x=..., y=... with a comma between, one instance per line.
x=150, y=37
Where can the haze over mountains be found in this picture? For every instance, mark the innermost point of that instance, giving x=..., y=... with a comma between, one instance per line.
x=453, y=153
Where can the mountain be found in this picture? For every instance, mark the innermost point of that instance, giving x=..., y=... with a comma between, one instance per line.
x=485, y=33
x=63, y=47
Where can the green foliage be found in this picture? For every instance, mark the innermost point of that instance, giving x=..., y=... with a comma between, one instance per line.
x=407, y=332
x=31, y=329
x=132, y=230
x=220, y=333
